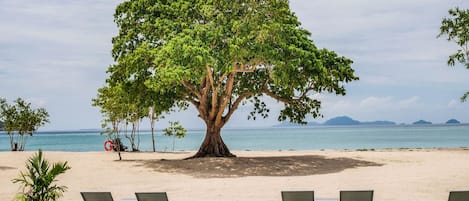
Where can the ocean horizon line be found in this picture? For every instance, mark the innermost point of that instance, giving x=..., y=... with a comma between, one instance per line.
x=91, y=130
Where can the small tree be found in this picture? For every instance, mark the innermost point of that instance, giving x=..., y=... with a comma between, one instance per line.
x=21, y=120
x=108, y=99
x=175, y=130
x=38, y=182
x=456, y=29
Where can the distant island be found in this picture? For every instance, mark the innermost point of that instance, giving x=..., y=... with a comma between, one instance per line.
x=453, y=121
x=339, y=121
x=343, y=120
x=422, y=122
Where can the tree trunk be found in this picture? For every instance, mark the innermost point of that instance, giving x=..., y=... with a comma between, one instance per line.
x=153, y=134
x=118, y=144
x=13, y=144
x=213, y=145
x=115, y=126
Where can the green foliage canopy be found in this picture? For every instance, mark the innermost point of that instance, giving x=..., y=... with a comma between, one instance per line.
x=21, y=119
x=215, y=54
x=456, y=29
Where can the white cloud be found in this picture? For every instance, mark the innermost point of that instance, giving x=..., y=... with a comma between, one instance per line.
x=58, y=51
x=453, y=103
x=391, y=42
x=412, y=102
x=376, y=102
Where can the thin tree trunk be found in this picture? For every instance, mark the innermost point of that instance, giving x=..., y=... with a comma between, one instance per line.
x=20, y=142
x=23, y=142
x=213, y=145
x=138, y=134
x=12, y=142
x=17, y=142
x=174, y=141
x=118, y=144
x=153, y=135
x=115, y=126
x=132, y=137
x=152, y=120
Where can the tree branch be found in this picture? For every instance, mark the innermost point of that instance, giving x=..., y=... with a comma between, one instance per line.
x=198, y=106
x=194, y=102
x=246, y=68
x=276, y=97
x=191, y=89
x=210, y=76
x=235, y=105
x=204, y=102
x=214, y=92
x=203, y=83
x=227, y=96
x=305, y=92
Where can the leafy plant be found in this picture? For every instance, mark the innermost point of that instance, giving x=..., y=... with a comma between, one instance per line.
x=21, y=120
x=38, y=182
x=175, y=130
x=456, y=29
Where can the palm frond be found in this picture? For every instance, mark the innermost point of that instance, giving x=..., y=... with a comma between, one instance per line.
x=38, y=182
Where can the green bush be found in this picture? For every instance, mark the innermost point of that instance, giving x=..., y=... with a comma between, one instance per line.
x=38, y=182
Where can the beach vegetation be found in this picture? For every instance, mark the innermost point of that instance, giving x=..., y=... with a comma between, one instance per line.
x=455, y=28
x=175, y=130
x=21, y=120
x=113, y=112
x=120, y=110
x=38, y=183
x=128, y=104
x=220, y=55
x=365, y=149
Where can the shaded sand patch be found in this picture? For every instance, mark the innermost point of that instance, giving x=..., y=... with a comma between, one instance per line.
x=255, y=166
x=6, y=168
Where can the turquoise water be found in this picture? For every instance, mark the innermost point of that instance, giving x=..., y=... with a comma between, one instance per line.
x=314, y=138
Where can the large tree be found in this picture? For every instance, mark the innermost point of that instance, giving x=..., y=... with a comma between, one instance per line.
x=219, y=54
x=456, y=29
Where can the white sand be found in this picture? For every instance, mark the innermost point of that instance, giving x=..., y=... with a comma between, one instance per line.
x=417, y=175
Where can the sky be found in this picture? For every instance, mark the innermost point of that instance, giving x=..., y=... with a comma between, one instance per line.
x=54, y=53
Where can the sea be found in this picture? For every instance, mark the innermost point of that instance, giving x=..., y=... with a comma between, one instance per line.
x=267, y=139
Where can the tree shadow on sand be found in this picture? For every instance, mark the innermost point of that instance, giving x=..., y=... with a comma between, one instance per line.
x=6, y=168
x=255, y=166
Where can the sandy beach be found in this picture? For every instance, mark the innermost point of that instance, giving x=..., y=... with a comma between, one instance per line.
x=398, y=175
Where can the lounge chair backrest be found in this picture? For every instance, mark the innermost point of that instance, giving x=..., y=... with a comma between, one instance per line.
x=298, y=195
x=153, y=196
x=458, y=196
x=356, y=195
x=96, y=196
